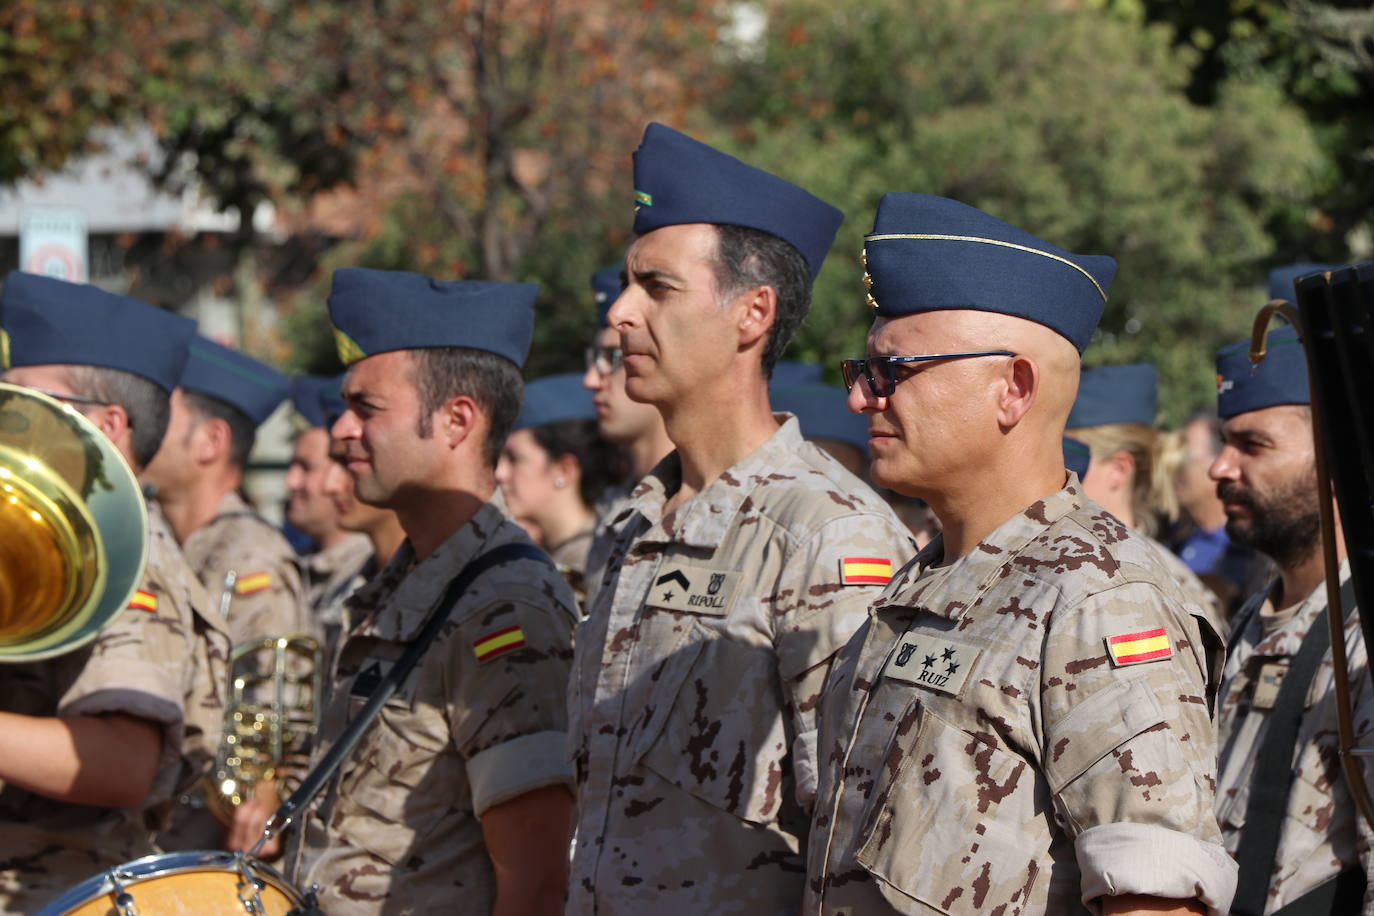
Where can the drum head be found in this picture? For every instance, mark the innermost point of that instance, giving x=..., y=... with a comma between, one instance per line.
x=180, y=884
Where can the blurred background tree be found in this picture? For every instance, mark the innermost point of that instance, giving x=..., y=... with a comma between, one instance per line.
x=1197, y=141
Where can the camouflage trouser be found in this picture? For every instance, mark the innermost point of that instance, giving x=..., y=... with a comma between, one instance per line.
x=34, y=876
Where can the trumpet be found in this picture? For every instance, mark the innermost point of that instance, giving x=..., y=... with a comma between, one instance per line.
x=271, y=718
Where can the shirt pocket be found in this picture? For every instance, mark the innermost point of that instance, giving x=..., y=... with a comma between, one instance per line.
x=721, y=735
x=396, y=792
x=955, y=825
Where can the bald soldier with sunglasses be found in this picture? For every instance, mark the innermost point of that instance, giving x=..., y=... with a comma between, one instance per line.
x=1024, y=723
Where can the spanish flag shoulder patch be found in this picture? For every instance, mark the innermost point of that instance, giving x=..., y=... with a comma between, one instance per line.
x=252, y=583
x=498, y=642
x=865, y=571
x=1134, y=648
x=143, y=601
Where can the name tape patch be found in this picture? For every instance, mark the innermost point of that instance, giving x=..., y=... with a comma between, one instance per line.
x=932, y=662
x=1136, y=648
x=694, y=589
x=865, y=571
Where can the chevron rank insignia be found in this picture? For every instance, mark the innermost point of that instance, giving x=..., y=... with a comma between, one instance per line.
x=252, y=584
x=143, y=601
x=498, y=642
x=865, y=571
x=1135, y=648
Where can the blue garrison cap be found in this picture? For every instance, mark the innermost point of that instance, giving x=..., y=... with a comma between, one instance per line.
x=44, y=321
x=332, y=405
x=555, y=398
x=235, y=378
x=605, y=290
x=927, y=254
x=305, y=397
x=786, y=374
x=1116, y=394
x=680, y=180
x=1077, y=456
x=376, y=311
x=1282, y=279
x=823, y=412
x=1280, y=379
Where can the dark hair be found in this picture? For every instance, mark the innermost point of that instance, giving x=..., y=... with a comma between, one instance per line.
x=149, y=406
x=444, y=373
x=599, y=460
x=746, y=258
x=243, y=432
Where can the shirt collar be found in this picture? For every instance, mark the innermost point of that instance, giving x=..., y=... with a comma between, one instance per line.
x=704, y=520
x=400, y=598
x=917, y=580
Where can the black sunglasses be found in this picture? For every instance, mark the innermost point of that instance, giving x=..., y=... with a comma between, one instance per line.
x=881, y=373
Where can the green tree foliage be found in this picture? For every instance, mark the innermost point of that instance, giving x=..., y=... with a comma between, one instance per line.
x=1070, y=123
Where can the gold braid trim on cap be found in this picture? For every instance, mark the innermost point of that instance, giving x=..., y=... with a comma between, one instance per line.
x=973, y=238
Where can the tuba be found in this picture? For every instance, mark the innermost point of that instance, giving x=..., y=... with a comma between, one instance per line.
x=1334, y=317
x=73, y=528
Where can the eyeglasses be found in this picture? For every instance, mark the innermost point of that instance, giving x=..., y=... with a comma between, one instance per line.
x=71, y=398
x=604, y=360
x=881, y=373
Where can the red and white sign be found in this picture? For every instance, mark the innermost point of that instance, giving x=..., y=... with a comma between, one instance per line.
x=53, y=243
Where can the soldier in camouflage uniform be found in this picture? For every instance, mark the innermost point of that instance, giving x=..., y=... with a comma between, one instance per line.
x=244, y=562
x=1267, y=482
x=459, y=793
x=742, y=563
x=1023, y=725
x=99, y=742
x=328, y=574
x=1114, y=414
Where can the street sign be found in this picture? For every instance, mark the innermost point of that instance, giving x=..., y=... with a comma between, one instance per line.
x=52, y=242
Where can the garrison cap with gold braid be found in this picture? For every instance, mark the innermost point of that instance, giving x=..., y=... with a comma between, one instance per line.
x=929, y=254
x=376, y=311
x=1280, y=379
x=680, y=180
x=234, y=378
x=53, y=322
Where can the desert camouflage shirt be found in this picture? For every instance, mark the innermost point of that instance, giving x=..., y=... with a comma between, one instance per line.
x=697, y=674
x=480, y=721
x=329, y=577
x=1323, y=833
x=1194, y=591
x=162, y=660
x=1020, y=731
x=266, y=597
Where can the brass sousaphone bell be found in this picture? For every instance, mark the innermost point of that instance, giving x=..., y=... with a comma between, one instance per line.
x=73, y=528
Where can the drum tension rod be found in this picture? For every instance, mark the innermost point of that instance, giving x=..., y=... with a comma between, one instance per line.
x=252, y=904
x=123, y=900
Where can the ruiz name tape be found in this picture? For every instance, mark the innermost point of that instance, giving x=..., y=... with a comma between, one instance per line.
x=930, y=661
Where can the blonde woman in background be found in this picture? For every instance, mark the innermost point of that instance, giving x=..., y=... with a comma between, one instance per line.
x=1133, y=464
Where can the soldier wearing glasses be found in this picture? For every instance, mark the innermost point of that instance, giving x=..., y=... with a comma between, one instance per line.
x=1024, y=723
x=744, y=560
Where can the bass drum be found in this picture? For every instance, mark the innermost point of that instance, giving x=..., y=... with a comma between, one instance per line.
x=182, y=884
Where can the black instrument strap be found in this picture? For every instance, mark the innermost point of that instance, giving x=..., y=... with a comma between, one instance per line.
x=317, y=778
x=1271, y=781
x=1341, y=894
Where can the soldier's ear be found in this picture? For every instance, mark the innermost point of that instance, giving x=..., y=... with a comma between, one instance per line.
x=458, y=420
x=1021, y=384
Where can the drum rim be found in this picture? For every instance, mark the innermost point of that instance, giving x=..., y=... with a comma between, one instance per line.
x=175, y=863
